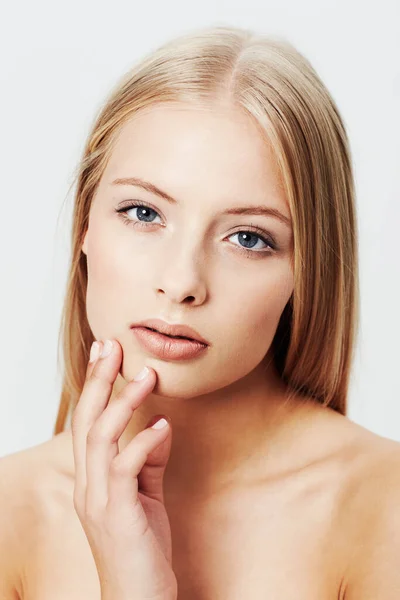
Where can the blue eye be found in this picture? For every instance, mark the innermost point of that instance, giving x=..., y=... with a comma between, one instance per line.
x=245, y=236
x=250, y=234
x=142, y=212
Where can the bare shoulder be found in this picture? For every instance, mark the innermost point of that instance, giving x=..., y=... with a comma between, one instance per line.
x=359, y=475
x=372, y=519
x=35, y=483
x=43, y=470
x=375, y=482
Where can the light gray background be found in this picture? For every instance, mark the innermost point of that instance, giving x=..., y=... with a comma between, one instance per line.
x=59, y=60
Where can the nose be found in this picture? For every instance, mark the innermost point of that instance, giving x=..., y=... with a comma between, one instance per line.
x=183, y=280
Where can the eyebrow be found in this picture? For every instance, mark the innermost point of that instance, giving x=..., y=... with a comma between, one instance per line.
x=241, y=210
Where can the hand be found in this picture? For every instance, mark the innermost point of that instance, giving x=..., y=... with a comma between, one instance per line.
x=118, y=495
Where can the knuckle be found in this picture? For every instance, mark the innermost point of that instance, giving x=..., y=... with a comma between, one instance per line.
x=74, y=419
x=122, y=465
x=79, y=502
x=98, y=381
x=97, y=435
x=119, y=467
x=96, y=375
x=94, y=513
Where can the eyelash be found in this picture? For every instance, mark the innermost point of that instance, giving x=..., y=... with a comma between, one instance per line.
x=259, y=232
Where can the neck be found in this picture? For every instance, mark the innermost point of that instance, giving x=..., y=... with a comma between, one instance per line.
x=226, y=438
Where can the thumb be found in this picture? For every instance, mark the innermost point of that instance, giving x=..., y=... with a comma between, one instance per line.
x=150, y=478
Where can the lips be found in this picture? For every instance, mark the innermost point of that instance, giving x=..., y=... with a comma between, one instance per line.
x=174, y=337
x=168, y=347
x=170, y=330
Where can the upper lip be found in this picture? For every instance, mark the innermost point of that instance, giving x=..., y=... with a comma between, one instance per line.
x=169, y=329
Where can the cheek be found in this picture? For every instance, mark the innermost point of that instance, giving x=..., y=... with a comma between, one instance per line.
x=111, y=277
x=257, y=306
x=248, y=314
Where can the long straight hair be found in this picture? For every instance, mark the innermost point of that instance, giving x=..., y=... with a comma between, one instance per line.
x=272, y=82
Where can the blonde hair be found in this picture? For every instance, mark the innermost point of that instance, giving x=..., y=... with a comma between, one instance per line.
x=272, y=82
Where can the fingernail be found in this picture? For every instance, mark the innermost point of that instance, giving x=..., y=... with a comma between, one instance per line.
x=159, y=424
x=142, y=374
x=107, y=347
x=94, y=352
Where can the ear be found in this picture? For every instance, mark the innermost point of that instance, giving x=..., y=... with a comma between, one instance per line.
x=84, y=245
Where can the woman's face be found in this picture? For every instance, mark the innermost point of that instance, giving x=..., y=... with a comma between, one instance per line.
x=190, y=262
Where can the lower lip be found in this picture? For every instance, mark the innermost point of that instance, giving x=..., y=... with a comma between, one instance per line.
x=167, y=348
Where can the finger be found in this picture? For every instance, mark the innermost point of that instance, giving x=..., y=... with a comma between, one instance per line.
x=150, y=478
x=93, y=399
x=130, y=462
x=102, y=441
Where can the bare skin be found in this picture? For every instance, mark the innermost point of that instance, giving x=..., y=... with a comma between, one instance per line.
x=290, y=534
x=265, y=498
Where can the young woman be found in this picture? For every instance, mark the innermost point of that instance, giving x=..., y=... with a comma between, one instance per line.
x=215, y=202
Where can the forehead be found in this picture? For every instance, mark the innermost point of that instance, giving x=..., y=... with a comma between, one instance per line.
x=185, y=147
